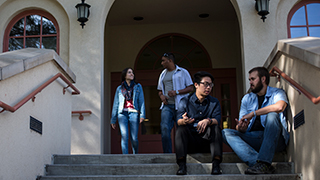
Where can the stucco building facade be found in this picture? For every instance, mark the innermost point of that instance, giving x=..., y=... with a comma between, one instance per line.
x=232, y=37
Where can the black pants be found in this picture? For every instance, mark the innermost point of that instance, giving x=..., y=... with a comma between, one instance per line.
x=187, y=141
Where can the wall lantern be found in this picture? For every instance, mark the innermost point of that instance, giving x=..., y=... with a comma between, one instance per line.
x=262, y=6
x=83, y=12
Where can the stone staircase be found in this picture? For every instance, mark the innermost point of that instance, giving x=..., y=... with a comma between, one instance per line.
x=156, y=166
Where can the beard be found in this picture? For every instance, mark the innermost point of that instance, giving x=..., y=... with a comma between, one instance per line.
x=258, y=87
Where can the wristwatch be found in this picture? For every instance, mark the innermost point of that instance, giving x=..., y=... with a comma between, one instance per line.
x=177, y=92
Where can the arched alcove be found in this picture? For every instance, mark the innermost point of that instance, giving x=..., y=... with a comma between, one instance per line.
x=189, y=53
x=211, y=44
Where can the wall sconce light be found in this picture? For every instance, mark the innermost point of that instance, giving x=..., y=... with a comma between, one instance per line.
x=262, y=6
x=83, y=12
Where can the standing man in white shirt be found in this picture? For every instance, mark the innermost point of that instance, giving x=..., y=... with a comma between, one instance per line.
x=174, y=84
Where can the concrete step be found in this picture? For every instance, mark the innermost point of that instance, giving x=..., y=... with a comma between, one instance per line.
x=157, y=166
x=148, y=158
x=169, y=177
x=154, y=169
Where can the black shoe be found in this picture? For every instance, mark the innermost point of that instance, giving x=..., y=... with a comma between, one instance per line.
x=260, y=168
x=182, y=169
x=216, y=169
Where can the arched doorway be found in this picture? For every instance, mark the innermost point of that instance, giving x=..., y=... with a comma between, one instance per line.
x=191, y=55
x=125, y=37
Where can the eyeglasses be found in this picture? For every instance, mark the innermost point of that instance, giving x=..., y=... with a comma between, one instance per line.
x=207, y=84
x=168, y=54
x=165, y=55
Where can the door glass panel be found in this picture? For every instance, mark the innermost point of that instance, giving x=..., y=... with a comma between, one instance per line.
x=226, y=123
x=33, y=42
x=225, y=89
x=17, y=29
x=151, y=125
x=199, y=56
x=33, y=25
x=183, y=61
x=182, y=45
x=147, y=60
x=15, y=44
x=225, y=105
x=188, y=53
x=161, y=45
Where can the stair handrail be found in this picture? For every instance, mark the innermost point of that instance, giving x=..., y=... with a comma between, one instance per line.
x=294, y=84
x=32, y=95
x=81, y=113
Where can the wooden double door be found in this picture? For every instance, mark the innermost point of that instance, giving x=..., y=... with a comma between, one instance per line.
x=225, y=89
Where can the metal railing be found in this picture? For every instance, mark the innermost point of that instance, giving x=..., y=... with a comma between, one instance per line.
x=32, y=95
x=294, y=84
x=81, y=113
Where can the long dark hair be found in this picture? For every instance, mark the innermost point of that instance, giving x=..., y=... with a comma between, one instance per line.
x=124, y=73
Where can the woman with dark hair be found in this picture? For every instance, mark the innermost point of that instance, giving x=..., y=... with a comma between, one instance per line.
x=129, y=109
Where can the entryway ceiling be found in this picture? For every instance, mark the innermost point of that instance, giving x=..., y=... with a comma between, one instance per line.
x=169, y=11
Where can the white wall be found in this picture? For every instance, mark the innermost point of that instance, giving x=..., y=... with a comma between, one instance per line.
x=24, y=152
x=304, y=146
x=87, y=52
x=300, y=61
x=258, y=37
x=82, y=50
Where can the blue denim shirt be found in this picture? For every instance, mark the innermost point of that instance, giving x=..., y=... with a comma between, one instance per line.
x=180, y=79
x=249, y=103
x=209, y=108
x=119, y=99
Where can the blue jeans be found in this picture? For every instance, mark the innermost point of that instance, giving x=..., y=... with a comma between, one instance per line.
x=256, y=146
x=131, y=119
x=168, y=118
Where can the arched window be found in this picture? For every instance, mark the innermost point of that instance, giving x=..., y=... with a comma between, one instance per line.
x=189, y=53
x=304, y=19
x=33, y=28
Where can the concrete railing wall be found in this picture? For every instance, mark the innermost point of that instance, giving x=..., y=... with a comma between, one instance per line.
x=300, y=59
x=24, y=152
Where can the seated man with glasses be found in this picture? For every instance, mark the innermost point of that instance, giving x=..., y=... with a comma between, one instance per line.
x=198, y=131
